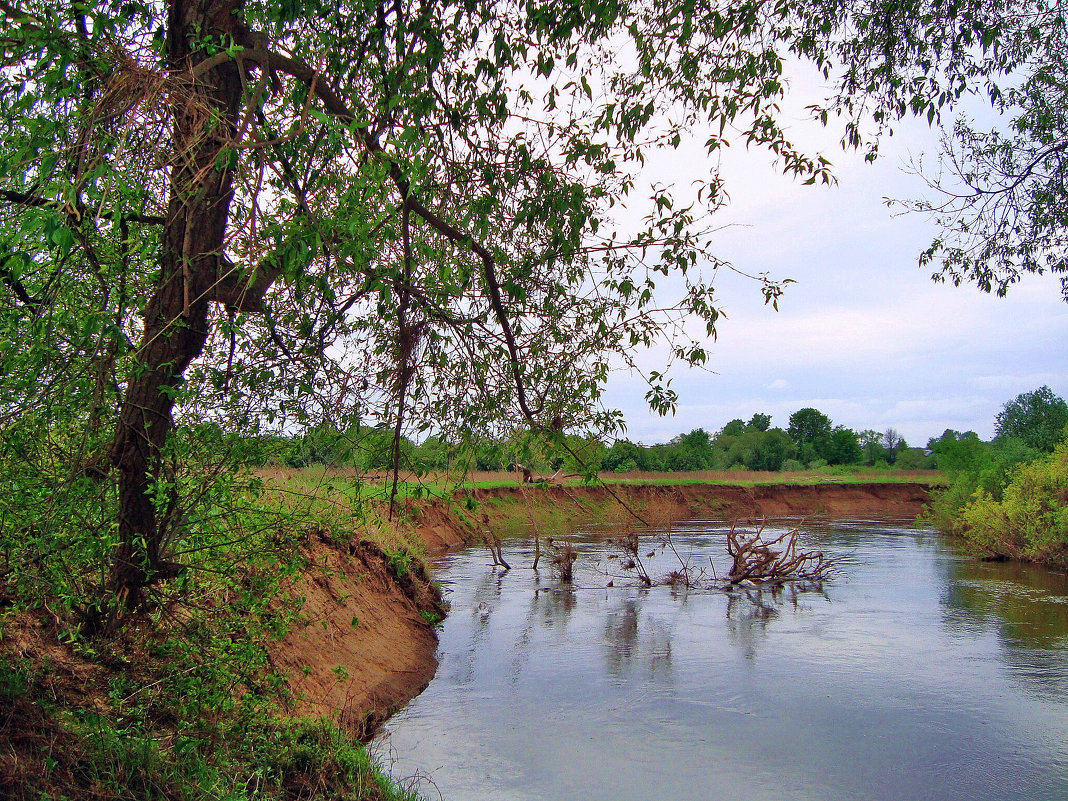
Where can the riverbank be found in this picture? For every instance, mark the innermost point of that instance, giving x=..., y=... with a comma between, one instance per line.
x=359, y=675
x=308, y=644
x=465, y=519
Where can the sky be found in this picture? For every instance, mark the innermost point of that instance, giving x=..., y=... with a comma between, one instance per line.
x=864, y=335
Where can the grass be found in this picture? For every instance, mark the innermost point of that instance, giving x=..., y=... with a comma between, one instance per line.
x=183, y=702
x=345, y=485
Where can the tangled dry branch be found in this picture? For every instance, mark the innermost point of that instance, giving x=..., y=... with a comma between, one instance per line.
x=758, y=561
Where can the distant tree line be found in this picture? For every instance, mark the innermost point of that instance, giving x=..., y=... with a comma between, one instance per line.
x=1027, y=427
x=811, y=440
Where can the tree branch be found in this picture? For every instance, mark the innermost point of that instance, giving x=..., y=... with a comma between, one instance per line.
x=334, y=104
x=74, y=211
x=8, y=277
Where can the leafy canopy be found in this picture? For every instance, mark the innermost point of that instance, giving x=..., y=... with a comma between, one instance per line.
x=1000, y=194
x=1037, y=418
x=419, y=217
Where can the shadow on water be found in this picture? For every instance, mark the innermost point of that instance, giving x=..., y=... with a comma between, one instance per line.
x=914, y=673
x=1027, y=608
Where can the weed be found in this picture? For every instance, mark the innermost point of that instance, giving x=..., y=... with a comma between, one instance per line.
x=433, y=619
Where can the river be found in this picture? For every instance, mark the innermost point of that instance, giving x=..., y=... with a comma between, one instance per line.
x=915, y=673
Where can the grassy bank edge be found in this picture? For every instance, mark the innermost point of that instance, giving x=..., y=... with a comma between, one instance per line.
x=185, y=702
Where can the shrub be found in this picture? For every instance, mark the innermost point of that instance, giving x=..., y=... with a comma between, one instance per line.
x=1030, y=521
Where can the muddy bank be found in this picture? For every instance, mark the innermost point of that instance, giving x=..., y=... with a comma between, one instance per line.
x=363, y=646
x=508, y=510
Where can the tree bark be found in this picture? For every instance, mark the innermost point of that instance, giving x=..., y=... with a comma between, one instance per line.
x=176, y=317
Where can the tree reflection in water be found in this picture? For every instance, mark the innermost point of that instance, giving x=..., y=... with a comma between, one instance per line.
x=634, y=647
x=1026, y=606
x=751, y=609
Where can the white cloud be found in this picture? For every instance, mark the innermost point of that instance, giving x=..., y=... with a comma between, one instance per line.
x=864, y=334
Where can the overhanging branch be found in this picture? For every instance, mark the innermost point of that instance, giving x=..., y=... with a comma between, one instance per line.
x=74, y=211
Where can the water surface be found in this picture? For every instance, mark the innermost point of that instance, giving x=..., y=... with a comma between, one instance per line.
x=916, y=674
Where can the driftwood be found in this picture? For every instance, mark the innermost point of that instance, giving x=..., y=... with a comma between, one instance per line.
x=493, y=542
x=758, y=561
x=563, y=558
x=629, y=544
x=530, y=478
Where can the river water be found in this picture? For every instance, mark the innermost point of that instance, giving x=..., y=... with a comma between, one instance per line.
x=916, y=673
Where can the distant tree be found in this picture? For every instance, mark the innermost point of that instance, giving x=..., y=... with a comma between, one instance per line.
x=434, y=453
x=691, y=451
x=911, y=459
x=489, y=455
x=892, y=441
x=776, y=447
x=698, y=439
x=871, y=443
x=956, y=451
x=584, y=454
x=1038, y=418
x=759, y=422
x=844, y=447
x=653, y=459
x=733, y=428
x=811, y=429
x=621, y=452
x=744, y=450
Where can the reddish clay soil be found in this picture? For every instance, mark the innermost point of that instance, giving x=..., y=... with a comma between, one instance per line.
x=362, y=647
x=441, y=528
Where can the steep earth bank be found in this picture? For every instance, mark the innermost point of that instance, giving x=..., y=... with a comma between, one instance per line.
x=508, y=510
x=364, y=643
x=364, y=646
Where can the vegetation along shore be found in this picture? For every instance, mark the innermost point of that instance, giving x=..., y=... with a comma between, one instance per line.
x=279, y=279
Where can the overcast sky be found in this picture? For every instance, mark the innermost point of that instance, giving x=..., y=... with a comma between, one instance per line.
x=864, y=335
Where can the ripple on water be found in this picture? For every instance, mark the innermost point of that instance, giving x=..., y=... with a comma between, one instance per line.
x=917, y=674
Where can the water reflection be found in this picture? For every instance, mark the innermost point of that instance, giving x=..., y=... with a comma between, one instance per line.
x=1027, y=609
x=633, y=651
x=914, y=674
x=750, y=610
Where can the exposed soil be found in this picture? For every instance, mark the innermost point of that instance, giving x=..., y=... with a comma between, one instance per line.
x=511, y=509
x=364, y=644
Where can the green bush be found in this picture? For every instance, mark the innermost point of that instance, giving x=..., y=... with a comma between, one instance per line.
x=976, y=467
x=1030, y=521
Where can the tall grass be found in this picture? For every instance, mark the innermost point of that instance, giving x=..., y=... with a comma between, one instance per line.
x=376, y=486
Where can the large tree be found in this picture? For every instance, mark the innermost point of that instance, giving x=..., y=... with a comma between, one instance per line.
x=1038, y=418
x=811, y=429
x=406, y=212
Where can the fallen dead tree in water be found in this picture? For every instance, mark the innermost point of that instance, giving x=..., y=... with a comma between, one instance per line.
x=758, y=561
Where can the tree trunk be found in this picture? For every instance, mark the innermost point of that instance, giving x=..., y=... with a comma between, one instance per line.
x=177, y=315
